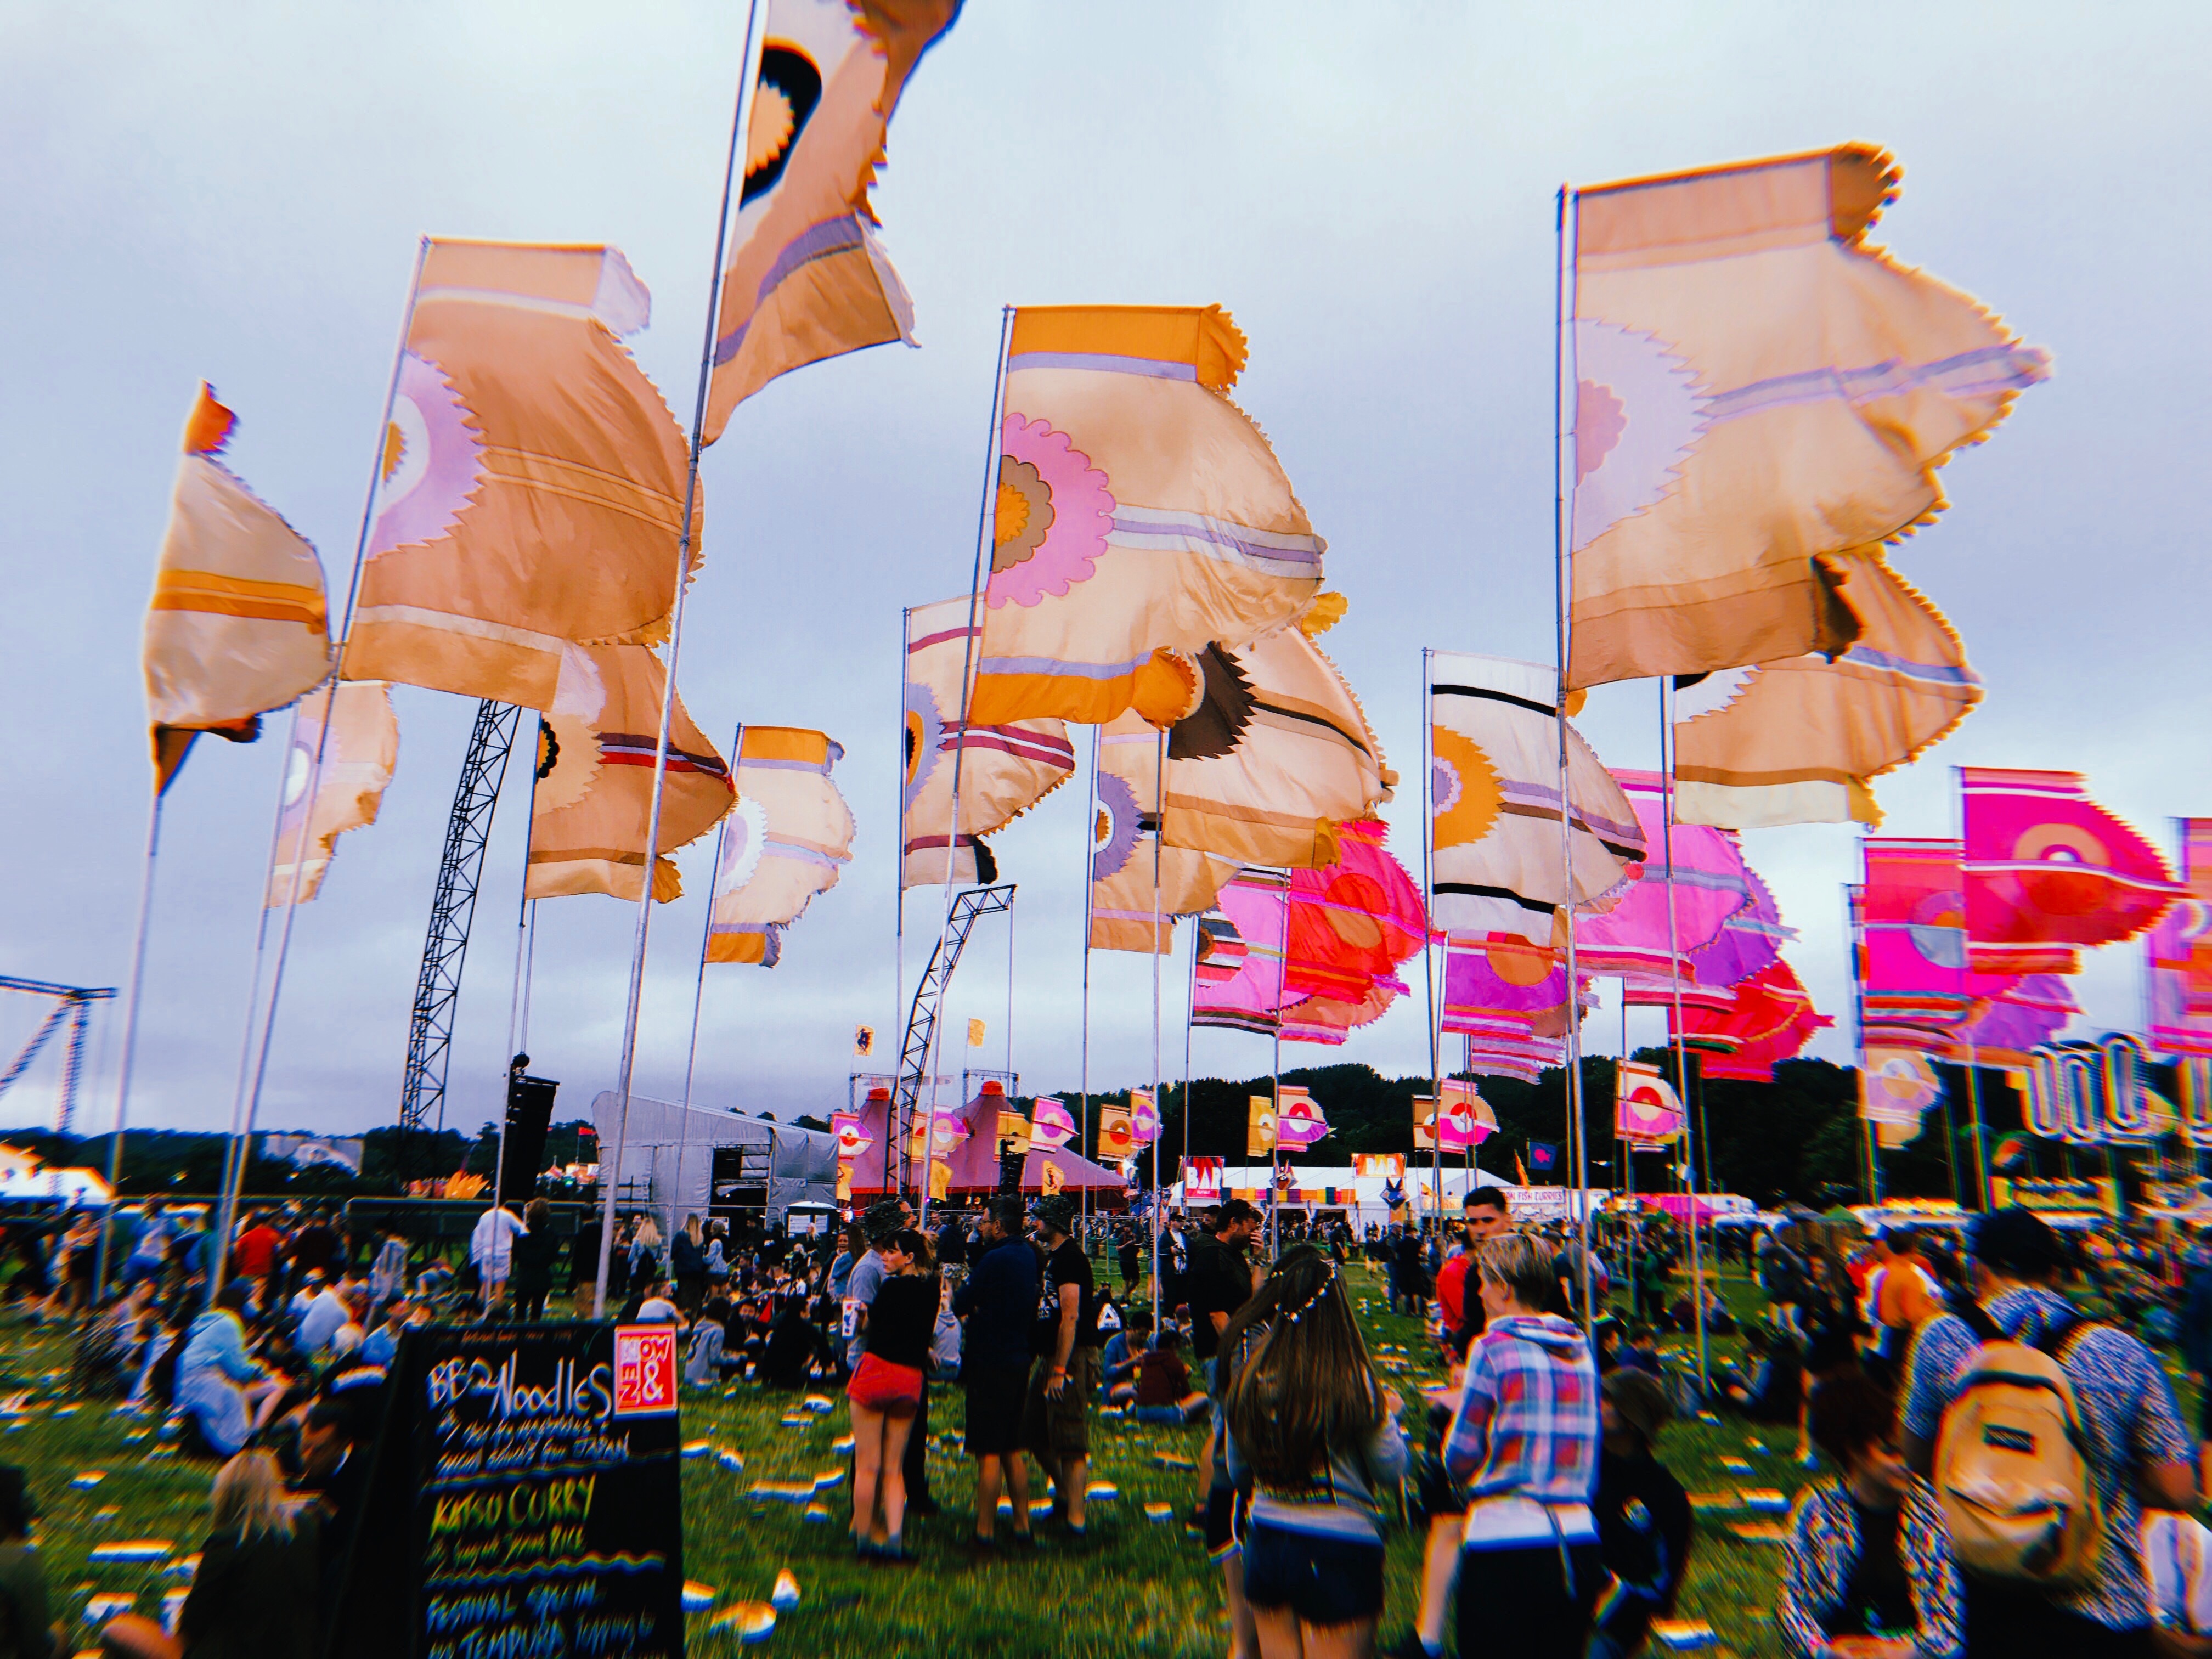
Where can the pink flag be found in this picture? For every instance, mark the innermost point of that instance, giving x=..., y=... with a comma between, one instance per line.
x=1464, y=1119
x=2048, y=869
x=1711, y=885
x=1051, y=1124
x=1240, y=962
x=1353, y=921
x=1298, y=1121
x=2007, y=1027
x=1772, y=1020
x=1912, y=952
x=1328, y=1019
x=1506, y=1045
x=1645, y=1108
x=2179, y=949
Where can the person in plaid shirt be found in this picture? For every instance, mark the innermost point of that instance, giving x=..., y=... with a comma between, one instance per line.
x=1524, y=1444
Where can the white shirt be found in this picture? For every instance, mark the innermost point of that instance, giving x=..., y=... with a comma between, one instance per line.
x=491, y=1246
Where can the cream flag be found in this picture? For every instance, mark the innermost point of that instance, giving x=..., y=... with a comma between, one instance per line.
x=1125, y=848
x=1004, y=769
x=1759, y=390
x=1799, y=741
x=595, y=780
x=238, y=625
x=807, y=279
x=1278, y=755
x=532, y=492
x=791, y=838
x=1140, y=516
x=331, y=784
x=1494, y=797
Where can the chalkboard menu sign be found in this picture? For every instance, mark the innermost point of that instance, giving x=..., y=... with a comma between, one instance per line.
x=522, y=1499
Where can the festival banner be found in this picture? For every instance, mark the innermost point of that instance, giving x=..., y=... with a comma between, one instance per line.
x=1802, y=740
x=807, y=279
x=1759, y=389
x=1126, y=854
x=1912, y=951
x=1494, y=804
x=1140, y=516
x=1653, y=931
x=1646, y=1111
x=1896, y=1086
x=238, y=625
x=1144, y=1117
x=533, y=481
x=594, y=783
x=1114, y=1140
x=1543, y=1157
x=1240, y=960
x=1379, y=1166
x=1201, y=1181
x=355, y=763
x=790, y=837
x=1259, y=1126
x=1004, y=770
x=1299, y=1119
x=2048, y=870
x=1464, y=1119
x=1051, y=1124
x=2178, y=955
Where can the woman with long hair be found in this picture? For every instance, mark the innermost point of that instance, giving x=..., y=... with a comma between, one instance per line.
x=529, y=1270
x=1314, y=1434
x=886, y=1392
x=253, y=1597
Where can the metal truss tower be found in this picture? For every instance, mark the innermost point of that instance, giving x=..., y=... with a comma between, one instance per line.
x=922, y=1023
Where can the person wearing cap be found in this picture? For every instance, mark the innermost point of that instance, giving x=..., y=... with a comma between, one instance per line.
x=22, y=1577
x=1644, y=1522
x=2137, y=1450
x=1056, y=1422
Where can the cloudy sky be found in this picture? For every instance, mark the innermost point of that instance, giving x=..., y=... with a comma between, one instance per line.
x=234, y=192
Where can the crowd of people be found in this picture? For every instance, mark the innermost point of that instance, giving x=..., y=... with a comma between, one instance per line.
x=2004, y=1474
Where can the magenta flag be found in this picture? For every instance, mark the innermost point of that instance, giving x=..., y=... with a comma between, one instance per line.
x=1052, y=1124
x=1299, y=1119
x=1240, y=963
x=2048, y=870
x=2180, y=982
x=1710, y=884
x=2007, y=1027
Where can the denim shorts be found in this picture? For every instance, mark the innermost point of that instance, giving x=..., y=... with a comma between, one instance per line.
x=1324, y=1580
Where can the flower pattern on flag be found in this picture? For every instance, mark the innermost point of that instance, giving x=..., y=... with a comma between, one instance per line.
x=1114, y=828
x=1051, y=518
x=1638, y=413
x=431, y=466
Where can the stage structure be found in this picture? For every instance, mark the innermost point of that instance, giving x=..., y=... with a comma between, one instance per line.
x=73, y=1008
x=453, y=908
x=921, y=1026
x=684, y=1161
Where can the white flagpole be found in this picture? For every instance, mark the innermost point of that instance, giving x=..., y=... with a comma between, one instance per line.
x=1691, y=1142
x=698, y=994
x=130, y=1043
x=522, y=915
x=611, y=1170
x=1159, y=835
x=1428, y=943
x=1563, y=449
x=1090, y=895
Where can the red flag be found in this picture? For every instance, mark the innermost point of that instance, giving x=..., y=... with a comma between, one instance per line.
x=2048, y=869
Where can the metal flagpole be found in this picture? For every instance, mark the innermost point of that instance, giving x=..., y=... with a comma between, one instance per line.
x=247, y=1104
x=1681, y=1050
x=522, y=913
x=130, y=1045
x=1428, y=940
x=1189, y=1011
x=1275, y=1082
x=1090, y=894
x=610, y=1170
x=976, y=578
x=698, y=995
x=1563, y=442
x=896, y=1029
x=1159, y=832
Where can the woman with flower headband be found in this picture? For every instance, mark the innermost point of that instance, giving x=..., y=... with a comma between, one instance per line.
x=1314, y=1434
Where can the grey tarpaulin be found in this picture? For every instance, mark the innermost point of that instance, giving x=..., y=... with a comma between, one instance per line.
x=802, y=1166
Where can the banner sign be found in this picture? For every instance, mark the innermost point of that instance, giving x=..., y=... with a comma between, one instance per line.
x=522, y=1497
x=2056, y=1194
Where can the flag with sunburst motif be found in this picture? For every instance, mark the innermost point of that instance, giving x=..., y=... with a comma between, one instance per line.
x=790, y=837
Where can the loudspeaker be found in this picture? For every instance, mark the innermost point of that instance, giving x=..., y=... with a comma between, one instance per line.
x=1011, y=1163
x=529, y=1110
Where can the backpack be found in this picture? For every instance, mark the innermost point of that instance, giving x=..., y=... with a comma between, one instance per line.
x=2013, y=1468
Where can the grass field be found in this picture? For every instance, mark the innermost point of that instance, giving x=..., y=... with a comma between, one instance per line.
x=1136, y=1586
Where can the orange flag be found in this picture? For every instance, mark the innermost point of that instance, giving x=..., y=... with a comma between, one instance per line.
x=532, y=491
x=595, y=784
x=1759, y=389
x=238, y=625
x=355, y=764
x=807, y=279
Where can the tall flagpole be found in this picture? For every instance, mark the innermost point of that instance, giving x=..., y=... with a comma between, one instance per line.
x=1159, y=835
x=1090, y=895
x=247, y=1104
x=698, y=996
x=1681, y=1049
x=1189, y=1012
x=897, y=1027
x=1275, y=1081
x=611, y=1170
x=1562, y=443
x=977, y=577
x=1428, y=939
x=130, y=1042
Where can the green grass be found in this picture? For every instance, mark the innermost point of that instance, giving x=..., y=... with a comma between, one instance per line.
x=1135, y=1586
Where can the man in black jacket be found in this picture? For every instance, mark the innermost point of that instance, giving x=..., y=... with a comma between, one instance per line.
x=998, y=1304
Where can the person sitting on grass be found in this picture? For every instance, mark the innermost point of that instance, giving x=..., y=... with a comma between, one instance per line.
x=1640, y=1351
x=1867, y=1572
x=108, y=1353
x=1772, y=1388
x=798, y=1348
x=705, y=1358
x=1125, y=1350
x=219, y=1387
x=1163, y=1392
x=1644, y=1522
x=382, y=1346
